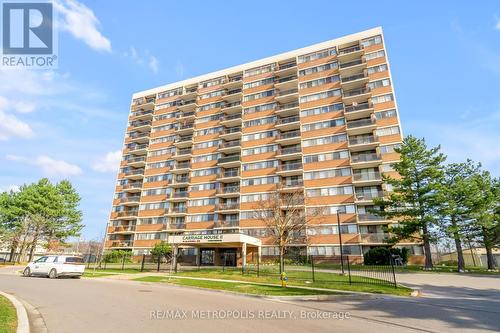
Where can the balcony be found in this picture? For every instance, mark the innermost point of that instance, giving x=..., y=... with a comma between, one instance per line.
x=178, y=210
x=140, y=124
x=374, y=238
x=183, y=141
x=230, y=146
x=286, y=68
x=138, y=149
x=358, y=110
x=189, y=92
x=233, y=107
x=229, y=176
x=184, y=129
x=138, y=137
x=231, y=120
x=362, y=143
x=144, y=103
x=288, y=123
x=141, y=114
x=181, y=167
x=368, y=178
x=367, y=197
x=183, y=154
x=227, y=191
x=176, y=226
x=349, y=53
x=123, y=229
x=130, y=200
x=134, y=174
x=289, y=169
x=289, y=153
x=186, y=115
x=286, y=83
x=288, y=109
x=229, y=161
x=354, y=81
x=285, y=96
x=228, y=207
x=233, y=94
x=370, y=218
x=231, y=133
x=361, y=126
x=365, y=160
x=137, y=161
x=179, y=196
x=180, y=181
x=351, y=67
x=356, y=95
x=122, y=244
x=132, y=187
x=187, y=105
x=291, y=185
x=227, y=224
x=235, y=81
x=287, y=138
x=127, y=214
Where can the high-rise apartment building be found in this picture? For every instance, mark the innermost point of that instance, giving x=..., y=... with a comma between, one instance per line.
x=200, y=153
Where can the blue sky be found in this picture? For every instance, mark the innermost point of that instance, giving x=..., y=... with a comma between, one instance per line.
x=70, y=122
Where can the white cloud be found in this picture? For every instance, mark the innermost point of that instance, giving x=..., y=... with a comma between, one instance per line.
x=10, y=188
x=48, y=165
x=82, y=23
x=142, y=59
x=108, y=163
x=18, y=106
x=11, y=126
x=153, y=64
x=497, y=22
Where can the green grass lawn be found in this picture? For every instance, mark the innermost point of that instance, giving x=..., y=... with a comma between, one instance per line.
x=243, y=288
x=91, y=274
x=298, y=279
x=8, y=316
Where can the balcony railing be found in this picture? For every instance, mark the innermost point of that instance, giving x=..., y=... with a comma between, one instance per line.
x=136, y=135
x=141, y=113
x=184, y=152
x=360, y=123
x=358, y=107
x=186, y=126
x=132, y=185
x=290, y=166
x=375, y=175
x=362, y=140
x=228, y=206
x=186, y=114
x=289, y=150
x=229, y=159
x=348, y=50
x=235, y=78
x=232, y=130
x=123, y=228
x=184, y=138
x=288, y=120
x=369, y=195
x=370, y=217
x=229, y=189
x=230, y=173
x=286, y=92
x=227, y=224
x=122, y=243
x=231, y=117
x=351, y=63
x=287, y=106
x=230, y=105
x=182, y=194
x=228, y=144
x=136, y=159
x=191, y=101
x=234, y=91
x=353, y=77
x=134, y=172
x=181, y=179
x=134, y=198
x=140, y=123
x=293, y=183
x=374, y=237
x=287, y=79
x=356, y=92
x=129, y=212
x=289, y=135
x=178, y=210
x=190, y=90
x=287, y=65
x=182, y=165
x=176, y=226
x=365, y=158
x=138, y=147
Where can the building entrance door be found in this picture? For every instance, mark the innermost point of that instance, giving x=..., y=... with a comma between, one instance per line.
x=228, y=257
x=207, y=256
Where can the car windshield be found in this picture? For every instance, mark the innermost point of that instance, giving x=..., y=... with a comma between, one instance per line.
x=74, y=259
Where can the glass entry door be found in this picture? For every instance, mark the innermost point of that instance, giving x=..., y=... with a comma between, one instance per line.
x=207, y=256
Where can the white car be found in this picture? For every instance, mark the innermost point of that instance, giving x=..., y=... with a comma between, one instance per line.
x=54, y=266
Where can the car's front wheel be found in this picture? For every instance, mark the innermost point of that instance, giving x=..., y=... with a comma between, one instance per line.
x=53, y=273
x=27, y=272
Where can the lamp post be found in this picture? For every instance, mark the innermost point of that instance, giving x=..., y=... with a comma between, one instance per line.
x=340, y=240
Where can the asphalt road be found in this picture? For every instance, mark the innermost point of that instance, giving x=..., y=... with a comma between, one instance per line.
x=453, y=304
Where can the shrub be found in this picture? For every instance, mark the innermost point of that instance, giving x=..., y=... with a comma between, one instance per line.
x=115, y=256
x=382, y=255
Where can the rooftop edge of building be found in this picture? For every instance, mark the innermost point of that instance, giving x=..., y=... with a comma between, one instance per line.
x=238, y=68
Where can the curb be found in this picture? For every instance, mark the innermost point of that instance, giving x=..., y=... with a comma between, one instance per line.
x=23, y=324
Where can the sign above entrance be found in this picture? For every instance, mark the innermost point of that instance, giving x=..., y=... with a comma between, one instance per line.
x=202, y=238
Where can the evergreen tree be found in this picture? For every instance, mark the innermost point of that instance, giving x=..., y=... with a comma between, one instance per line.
x=414, y=201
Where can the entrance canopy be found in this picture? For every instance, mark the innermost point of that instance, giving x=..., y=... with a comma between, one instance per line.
x=215, y=240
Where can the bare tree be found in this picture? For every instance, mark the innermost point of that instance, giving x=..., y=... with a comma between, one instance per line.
x=283, y=214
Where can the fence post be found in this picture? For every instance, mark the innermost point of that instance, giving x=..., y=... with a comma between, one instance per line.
x=123, y=262
x=159, y=262
x=105, y=262
x=393, y=271
x=142, y=263
x=224, y=263
x=349, y=270
x=258, y=266
x=312, y=268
